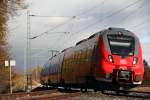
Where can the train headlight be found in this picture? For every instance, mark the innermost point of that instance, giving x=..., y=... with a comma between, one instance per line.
x=135, y=60
x=110, y=58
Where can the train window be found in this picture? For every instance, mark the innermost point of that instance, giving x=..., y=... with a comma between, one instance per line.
x=74, y=56
x=86, y=54
x=80, y=55
x=66, y=63
x=72, y=61
x=71, y=57
x=69, y=62
x=83, y=55
x=125, y=44
x=90, y=53
x=77, y=56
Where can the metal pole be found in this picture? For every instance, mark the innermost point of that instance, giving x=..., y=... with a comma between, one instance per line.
x=25, y=71
x=10, y=77
x=29, y=80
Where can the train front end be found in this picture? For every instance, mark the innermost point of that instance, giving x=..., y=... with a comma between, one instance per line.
x=121, y=59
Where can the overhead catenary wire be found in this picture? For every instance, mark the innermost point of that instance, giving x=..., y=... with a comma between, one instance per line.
x=92, y=8
x=59, y=25
x=73, y=17
x=87, y=11
x=135, y=10
x=114, y=13
x=110, y=15
x=144, y=22
x=52, y=16
x=47, y=33
x=137, y=27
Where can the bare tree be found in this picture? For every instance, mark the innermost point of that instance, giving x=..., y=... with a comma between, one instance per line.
x=8, y=8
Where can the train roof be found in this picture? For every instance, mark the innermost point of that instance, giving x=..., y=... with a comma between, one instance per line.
x=81, y=41
x=119, y=31
x=66, y=49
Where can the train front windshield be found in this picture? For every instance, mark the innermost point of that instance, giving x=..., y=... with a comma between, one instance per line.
x=121, y=45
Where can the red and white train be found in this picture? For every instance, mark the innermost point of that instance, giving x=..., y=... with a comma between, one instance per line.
x=109, y=58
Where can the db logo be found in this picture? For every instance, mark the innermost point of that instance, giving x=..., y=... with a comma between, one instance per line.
x=123, y=61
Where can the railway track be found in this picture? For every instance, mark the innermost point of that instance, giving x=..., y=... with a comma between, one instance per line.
x=135, y=94
x=109, y=96
x=40, y=95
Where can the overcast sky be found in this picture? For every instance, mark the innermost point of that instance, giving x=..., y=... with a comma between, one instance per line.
x=90, y=16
